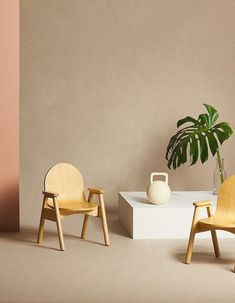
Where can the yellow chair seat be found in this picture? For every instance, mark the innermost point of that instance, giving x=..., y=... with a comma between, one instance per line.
x=71, y=207
x=218, y=222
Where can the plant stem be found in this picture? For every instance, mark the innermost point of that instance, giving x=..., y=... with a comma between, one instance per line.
x=220, y=165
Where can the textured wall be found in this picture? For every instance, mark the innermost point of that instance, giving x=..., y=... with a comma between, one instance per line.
x=9, y=115
x=104, y=82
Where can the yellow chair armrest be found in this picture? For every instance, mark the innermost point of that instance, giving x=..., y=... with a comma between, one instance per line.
x=50, y=194
x=96, y=191
x=202, y=203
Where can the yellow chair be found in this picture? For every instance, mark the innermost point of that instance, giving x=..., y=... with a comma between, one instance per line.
x=64, y=195
x=223, y=219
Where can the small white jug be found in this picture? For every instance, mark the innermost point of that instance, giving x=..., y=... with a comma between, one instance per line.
x=158, y=192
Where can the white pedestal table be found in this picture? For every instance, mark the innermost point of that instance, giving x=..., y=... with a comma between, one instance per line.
x=172, y=220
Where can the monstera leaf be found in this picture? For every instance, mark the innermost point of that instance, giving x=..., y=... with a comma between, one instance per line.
x=197, y=139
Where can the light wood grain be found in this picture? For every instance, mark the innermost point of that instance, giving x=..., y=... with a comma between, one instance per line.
x=223, y=219
x=213, y=234
x=65, y=179
x=96, y=190
x=64, y=196
x=202, y=203
x=73, y=207
x=86, y=217
x=192, y=236
x=104, y=220
x=50, y=194
x=58, y=224
x=49, y=214
x=84, y=226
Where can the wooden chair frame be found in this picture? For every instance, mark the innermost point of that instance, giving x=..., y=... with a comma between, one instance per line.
x=223, y=219
x=54, y=214
x=195, y=228
x=198, y=228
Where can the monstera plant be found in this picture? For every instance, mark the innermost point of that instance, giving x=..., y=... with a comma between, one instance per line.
x=201, y=136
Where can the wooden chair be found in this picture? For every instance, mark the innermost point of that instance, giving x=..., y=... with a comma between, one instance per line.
x=63, y=195
x=223, y=219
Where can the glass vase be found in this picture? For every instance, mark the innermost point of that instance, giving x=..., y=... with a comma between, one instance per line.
x=219, y=175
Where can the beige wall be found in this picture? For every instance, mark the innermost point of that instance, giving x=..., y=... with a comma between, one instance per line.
x=104, y=82
x=9, y=115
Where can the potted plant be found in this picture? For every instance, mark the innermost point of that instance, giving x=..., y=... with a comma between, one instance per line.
x=197, y=139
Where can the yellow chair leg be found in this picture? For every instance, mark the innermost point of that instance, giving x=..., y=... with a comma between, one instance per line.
x=41, y=230
x=86, y=217
x=214, y=235
x=190, y=247
x=215, y=243
x=104, y=220
x=58, y=224
x=84, y=226
x=192, y=236
x=60, y=234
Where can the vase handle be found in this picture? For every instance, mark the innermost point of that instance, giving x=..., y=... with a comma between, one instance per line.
x=159, y=174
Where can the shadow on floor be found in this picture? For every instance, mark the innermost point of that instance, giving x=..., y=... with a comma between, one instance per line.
x=28, y=234
x=115, y=226
x=204, y=257
x=208, y=258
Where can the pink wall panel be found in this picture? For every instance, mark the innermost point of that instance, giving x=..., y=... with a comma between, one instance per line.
x=9, y=115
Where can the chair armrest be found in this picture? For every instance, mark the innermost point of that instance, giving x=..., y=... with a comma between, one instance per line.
x=50, y=194
x=202, y=204
x=96, y=191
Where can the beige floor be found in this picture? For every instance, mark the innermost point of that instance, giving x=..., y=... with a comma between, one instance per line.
x=127, y=271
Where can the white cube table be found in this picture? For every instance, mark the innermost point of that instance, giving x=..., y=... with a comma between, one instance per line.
x=172, y=220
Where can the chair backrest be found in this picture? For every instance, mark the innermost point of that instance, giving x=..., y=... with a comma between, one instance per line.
x=226, y=198
x=65, y=179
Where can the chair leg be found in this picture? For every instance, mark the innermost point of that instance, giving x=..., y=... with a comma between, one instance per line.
x=190, y=247
x=192, y=237
x=215, y=243
x=60, y=234
x=41, y=230
x=59, y=226
x=84, y=226
x=104, y=220
x=86, y=217
x=214, y=235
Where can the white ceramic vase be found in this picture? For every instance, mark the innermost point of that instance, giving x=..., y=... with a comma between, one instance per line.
x=158, y=192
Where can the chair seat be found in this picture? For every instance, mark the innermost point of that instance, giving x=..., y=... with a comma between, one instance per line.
x=71, y=207
x=220, y=222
